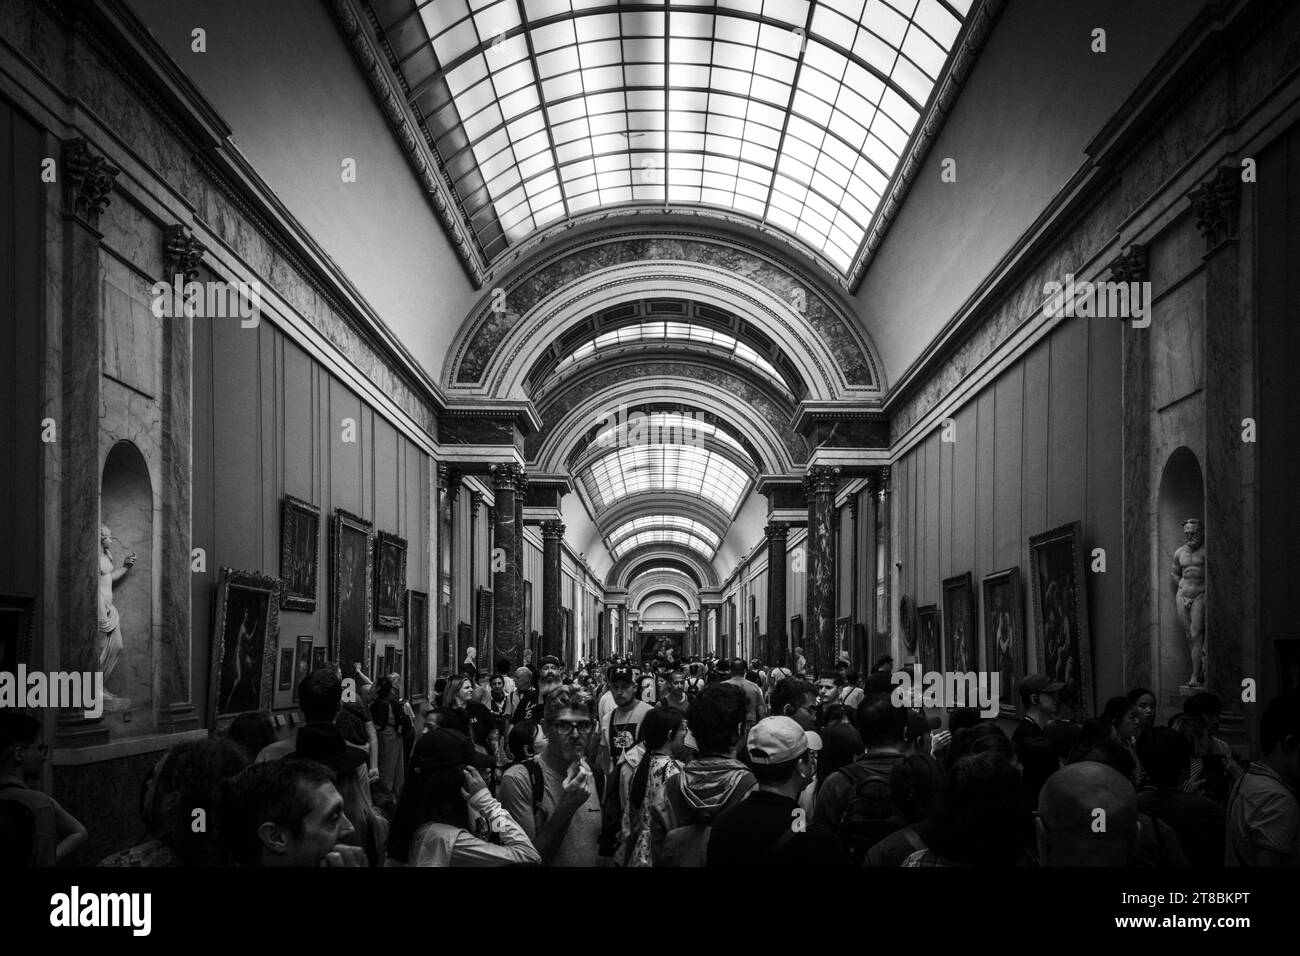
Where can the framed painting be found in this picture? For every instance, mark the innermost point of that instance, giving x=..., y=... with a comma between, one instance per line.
x=286, y=669
x=390, y=580
x=960, y=626
x=1004, y=634
x=417, y=644
x=246, y=624
x=350, y=634
x=1061, y=615
x=929, y=655
x=303, y=661
x=299, y=554
x=318, y=657
x=16, y=629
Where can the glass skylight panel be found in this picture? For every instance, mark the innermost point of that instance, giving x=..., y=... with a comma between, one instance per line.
x=645, y=522
x=761, y=81
x=670, y=332
x=644, y=538
x=685, y=468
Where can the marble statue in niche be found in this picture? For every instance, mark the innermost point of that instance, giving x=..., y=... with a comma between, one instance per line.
x=108, y=646
x=1188, y=576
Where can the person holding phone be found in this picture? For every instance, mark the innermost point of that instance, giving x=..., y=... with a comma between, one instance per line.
x=447, y=817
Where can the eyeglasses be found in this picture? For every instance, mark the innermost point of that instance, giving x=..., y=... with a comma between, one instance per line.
x=565, y=727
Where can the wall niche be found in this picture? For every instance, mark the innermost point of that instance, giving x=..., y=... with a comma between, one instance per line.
x=127, y=510
x=1181, y=496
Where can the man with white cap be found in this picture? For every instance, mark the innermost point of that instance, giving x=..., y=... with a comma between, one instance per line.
x=769, y=829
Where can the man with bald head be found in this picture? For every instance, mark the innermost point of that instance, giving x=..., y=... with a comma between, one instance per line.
x=1087, y=816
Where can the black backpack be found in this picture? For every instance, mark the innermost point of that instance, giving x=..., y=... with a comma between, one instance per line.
x=869, y=816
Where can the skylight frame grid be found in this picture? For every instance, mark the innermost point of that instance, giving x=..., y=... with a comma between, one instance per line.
x=905, y=54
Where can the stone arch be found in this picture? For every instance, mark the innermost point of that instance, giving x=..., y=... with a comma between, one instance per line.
x=700, y=569
x=546, y=296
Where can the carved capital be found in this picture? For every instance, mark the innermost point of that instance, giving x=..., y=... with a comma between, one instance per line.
x=475, y=502
x=776, y=529
x=821, y=480
x=87, y=182
x=506, y=477
x=853, y=507
x=451, y=482
x=1215, y=203
x=182, y=253
x=553, y=529
x=1130, y=265
x=883, y=488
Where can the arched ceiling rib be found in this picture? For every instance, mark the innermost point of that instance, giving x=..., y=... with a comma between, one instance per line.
x=786, y=114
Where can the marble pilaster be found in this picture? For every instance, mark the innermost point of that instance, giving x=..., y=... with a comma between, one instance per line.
x=507, y=589
x=87, y=182
x=182, y=254
x=552, y=618
x=521, y=625
x=819, y=637
x=1215, y=203
x=776, y=650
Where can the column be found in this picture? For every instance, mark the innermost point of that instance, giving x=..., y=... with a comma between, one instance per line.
x=882, y=521
x=819, y=635
x=870, y=609
x=776, y=533
x=477, y=640
x=182, y=254
x=507, y=591
x=857, y=649
x=552, y=619
x=521, y=625
x=87, y=183
x=1226, y=559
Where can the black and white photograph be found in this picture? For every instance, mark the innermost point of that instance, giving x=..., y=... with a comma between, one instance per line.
x=551, y=433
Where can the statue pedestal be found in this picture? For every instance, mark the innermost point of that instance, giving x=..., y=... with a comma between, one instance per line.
x=115, y=705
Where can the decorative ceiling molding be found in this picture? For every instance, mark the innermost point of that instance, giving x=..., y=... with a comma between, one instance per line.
x=702, y=571
x=513, y=327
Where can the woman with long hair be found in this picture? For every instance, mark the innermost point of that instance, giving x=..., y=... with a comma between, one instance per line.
x=447, y=817
x=644, y=772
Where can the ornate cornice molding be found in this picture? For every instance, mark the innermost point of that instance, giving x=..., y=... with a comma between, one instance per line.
x=87, y=182
x=385, y=80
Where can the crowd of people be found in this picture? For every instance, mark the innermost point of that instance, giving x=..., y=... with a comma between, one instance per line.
x=689, y=763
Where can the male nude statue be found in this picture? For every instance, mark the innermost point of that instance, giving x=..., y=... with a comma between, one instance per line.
x=1189, y=594
x=109, y=644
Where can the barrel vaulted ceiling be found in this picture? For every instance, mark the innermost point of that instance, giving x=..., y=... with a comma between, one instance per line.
x=796, y=117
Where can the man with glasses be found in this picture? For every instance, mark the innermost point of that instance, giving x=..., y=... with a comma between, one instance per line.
x=556, y=796
x=39, y=832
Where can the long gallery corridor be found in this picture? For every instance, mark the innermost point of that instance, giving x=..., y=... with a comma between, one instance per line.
x=424, y=423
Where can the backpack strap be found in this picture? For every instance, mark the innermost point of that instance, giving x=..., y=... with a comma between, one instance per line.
x=786, y=836
x=539, y=785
